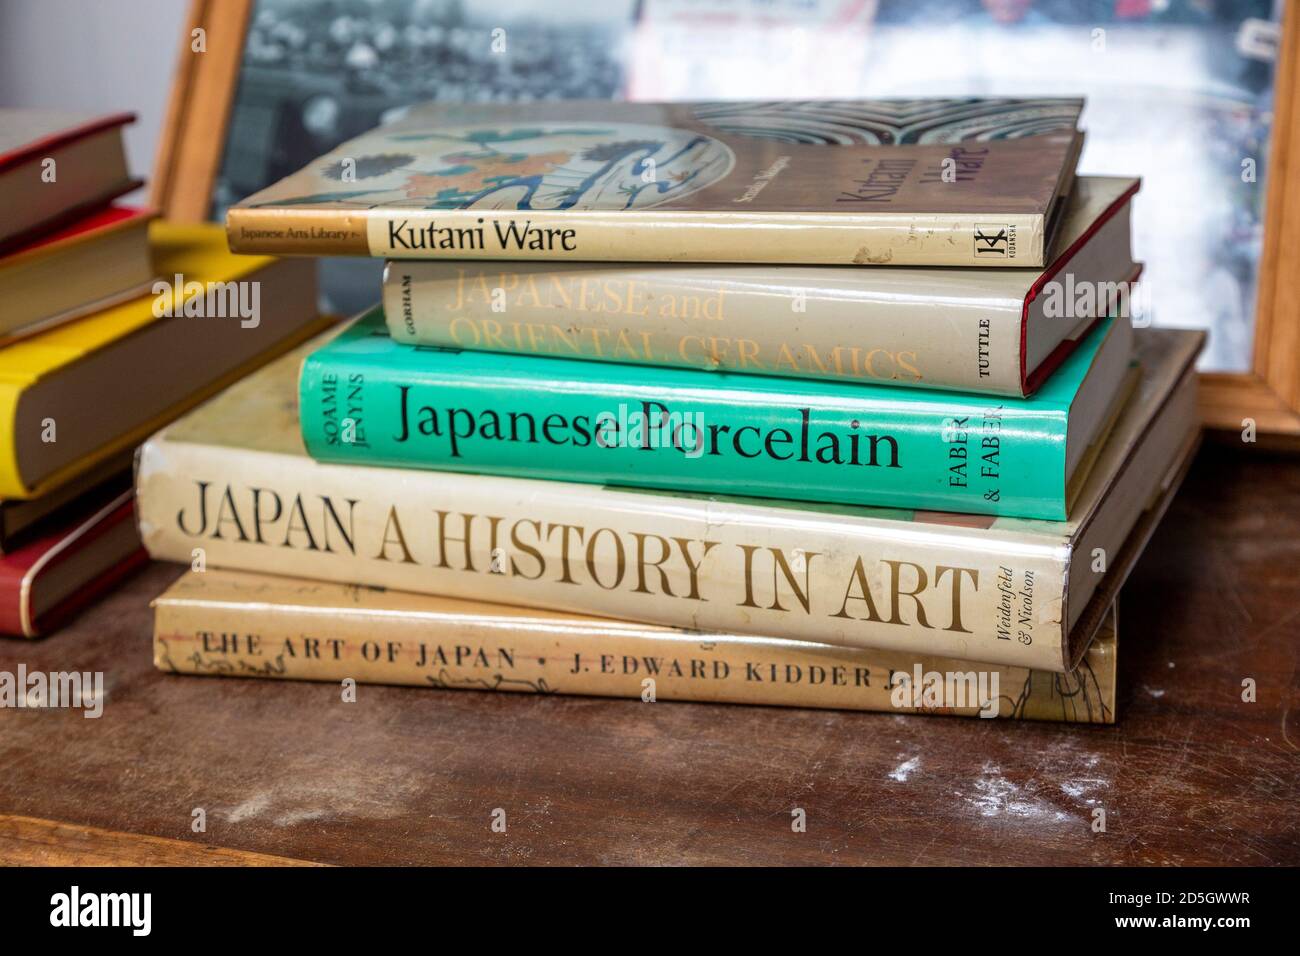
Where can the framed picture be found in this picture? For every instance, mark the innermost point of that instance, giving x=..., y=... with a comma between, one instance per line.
x=1198, y=100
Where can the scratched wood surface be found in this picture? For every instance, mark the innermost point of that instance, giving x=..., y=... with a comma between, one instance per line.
x=1192, y=774
x=25, y=841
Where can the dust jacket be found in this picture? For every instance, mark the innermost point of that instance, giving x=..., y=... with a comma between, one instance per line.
x=956, y=181
x=992, y=331
x=365, y=399
x=236, y=624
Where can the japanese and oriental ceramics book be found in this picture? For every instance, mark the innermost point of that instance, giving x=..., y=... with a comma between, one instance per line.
x=993, y=331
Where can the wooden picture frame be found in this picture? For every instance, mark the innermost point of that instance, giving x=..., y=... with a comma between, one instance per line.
x=198, y=110
x=191, y=147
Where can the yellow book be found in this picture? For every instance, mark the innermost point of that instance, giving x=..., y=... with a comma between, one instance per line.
x=78, y=394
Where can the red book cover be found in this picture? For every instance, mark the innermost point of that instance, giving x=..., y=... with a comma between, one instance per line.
x=45, y=582
x=86, y=229
x=1030, y=380
x=35, y=138
x=30, y=137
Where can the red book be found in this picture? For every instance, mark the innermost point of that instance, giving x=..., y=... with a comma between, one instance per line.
x=56, y=167
x=45, y=582
x=95, y=263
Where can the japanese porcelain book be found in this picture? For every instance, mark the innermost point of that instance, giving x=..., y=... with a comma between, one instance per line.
x=368, y=400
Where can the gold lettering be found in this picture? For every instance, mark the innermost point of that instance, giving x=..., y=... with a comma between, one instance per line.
x=620, y=561
x=957, y=573
x=444, y=539
x=864, y=594
x=396, y=537
x=896, y=593
x=642, y=563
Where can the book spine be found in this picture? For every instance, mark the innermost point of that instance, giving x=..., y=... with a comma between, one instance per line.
x=591, y=657
x=681, y=430
x=12, y=485
x=639, y=236
x=694, y=562
x=850, y=325
x=15, y=600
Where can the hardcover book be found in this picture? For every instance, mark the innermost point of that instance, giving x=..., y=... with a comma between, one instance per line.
x=365, y=399
x=21, y=520
x=73, y=396
x=231, y=485
x=966, y=182
x=993, y=331
x=94, y=264
x=57, y=167
x=46, y=581
x=234, y=624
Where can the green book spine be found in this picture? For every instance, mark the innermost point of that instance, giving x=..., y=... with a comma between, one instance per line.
x=365, y=399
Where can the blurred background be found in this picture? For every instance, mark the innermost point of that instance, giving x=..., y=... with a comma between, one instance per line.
x=1179, y=92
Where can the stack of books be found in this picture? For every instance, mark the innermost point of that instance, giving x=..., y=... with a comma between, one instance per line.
x=829, y=404
x=113, y=324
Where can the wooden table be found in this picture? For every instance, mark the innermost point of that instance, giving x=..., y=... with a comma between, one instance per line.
x=285, y=772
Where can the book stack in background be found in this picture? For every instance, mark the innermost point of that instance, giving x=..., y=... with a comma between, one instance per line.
x=829, y=404
x=93, y=358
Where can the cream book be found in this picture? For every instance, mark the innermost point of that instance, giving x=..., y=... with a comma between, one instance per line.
x=230, y=486
x=956, y=181
x=235, y=624
x=993, y=331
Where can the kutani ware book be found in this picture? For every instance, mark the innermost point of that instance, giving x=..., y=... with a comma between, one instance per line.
x=964, y=182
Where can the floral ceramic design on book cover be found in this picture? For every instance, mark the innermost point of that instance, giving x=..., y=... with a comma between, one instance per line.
x=548, y=166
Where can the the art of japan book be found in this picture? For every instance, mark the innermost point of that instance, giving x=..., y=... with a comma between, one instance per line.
x=237, y=624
